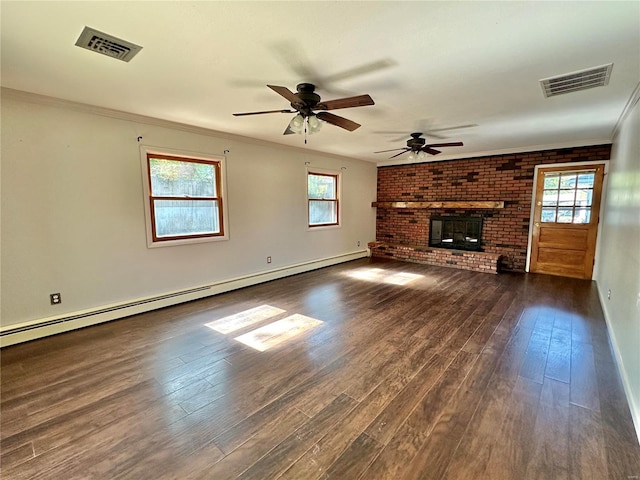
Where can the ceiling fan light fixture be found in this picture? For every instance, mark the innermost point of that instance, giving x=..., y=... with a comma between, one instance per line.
x=315, y=124
x=297, y=124
x=412, y=156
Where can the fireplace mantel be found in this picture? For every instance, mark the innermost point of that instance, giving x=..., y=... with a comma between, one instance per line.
x=479, y=205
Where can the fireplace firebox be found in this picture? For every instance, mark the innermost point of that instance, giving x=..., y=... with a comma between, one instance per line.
x=460, y=233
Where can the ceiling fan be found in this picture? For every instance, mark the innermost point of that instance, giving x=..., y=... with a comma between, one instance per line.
x=306, y=101
x=419, y=147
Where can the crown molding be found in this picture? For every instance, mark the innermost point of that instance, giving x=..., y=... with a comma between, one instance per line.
x=158, y=122
x=35, y=98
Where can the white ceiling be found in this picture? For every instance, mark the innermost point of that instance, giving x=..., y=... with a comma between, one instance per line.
x=440, y=64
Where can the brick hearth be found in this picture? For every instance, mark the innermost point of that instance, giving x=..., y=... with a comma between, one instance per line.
x=444, y=257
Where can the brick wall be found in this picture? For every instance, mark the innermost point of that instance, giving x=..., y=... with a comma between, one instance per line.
x=500, y=177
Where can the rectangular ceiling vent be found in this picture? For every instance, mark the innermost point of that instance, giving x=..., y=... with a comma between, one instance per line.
x=107, y=45
x=572, y=82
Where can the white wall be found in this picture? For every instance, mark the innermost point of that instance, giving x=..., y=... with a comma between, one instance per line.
x=619, y=260
x=73, y=216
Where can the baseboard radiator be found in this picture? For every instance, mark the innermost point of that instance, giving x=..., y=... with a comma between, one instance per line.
x=101, y=311
x=32, y=330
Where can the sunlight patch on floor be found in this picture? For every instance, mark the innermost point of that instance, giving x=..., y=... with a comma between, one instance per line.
x=402, y=278
x=278, y=332
x=382, y=276
x=244, y=319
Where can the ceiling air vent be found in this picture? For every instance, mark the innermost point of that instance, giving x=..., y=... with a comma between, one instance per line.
x=107, y=45
x=572, y=82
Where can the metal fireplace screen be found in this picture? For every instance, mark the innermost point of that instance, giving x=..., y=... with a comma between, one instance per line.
x=461, y=233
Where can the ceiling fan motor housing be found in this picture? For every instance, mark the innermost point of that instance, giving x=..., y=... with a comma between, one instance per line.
x=415, y=142
x=308, y=99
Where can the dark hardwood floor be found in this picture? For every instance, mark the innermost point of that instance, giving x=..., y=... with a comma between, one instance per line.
x=416, y=372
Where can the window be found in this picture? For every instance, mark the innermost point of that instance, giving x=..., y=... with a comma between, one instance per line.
x=322, y=194
x=567, y=197
x=185, y=202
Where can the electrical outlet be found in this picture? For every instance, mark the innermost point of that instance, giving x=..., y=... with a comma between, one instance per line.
x=55, y=298
x=358, y=244
x=268, y=259
x=608, y=294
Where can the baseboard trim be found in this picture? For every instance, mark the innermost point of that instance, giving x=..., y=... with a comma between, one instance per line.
x=635, y=409
x=44, y=327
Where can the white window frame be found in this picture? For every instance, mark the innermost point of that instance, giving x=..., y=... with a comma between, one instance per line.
x=333, y=173
x=151, y=243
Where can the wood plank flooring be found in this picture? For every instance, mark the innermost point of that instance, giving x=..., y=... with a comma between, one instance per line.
x=417, y=372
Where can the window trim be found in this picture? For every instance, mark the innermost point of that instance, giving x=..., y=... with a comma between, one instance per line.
x=219, y=162
x=326, y=173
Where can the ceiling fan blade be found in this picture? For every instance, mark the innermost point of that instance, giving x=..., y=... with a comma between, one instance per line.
x=450, y=144
x=357, y=101
x=453, y=128
x=428, y=133
x=285, y=92
x=338, y=121
x=392, y=150
x=260, y=113
x=291, y=55
x=398, y=154
x=430, y=150
x=361, y=70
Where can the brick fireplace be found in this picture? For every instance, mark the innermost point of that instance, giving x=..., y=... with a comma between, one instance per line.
x=409, y=195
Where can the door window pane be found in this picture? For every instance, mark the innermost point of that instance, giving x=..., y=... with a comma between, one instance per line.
x=567, y=198
x=586, y=180
x=550, y=198
x=551, y=181
x=565, y=215
x=568, y=180
x=548, y=215
x=584, y=197
x=582, y=215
